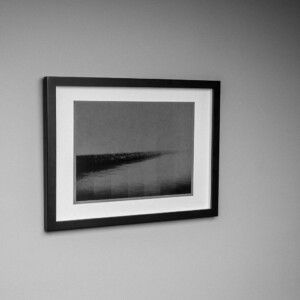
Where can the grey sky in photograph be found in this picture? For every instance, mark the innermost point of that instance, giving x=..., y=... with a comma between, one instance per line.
x=113, y=127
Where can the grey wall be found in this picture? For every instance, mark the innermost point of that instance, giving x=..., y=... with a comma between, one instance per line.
x=251, y=251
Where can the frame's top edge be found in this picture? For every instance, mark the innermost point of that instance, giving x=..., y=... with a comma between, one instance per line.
x=130, y=82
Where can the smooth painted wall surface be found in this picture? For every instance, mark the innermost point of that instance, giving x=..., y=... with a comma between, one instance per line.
x=251, y=251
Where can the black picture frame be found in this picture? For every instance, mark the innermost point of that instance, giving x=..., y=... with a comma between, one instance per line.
x=50, y=88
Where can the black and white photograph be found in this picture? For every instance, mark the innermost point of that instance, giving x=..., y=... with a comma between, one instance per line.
x=123, y=150
x=133, y=150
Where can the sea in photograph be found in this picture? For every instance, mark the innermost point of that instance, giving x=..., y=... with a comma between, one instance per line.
x=135, y=175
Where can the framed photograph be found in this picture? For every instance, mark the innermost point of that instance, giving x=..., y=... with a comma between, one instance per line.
x=124, y=151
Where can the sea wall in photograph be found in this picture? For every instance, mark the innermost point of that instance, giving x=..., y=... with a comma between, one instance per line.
x=97, y=162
